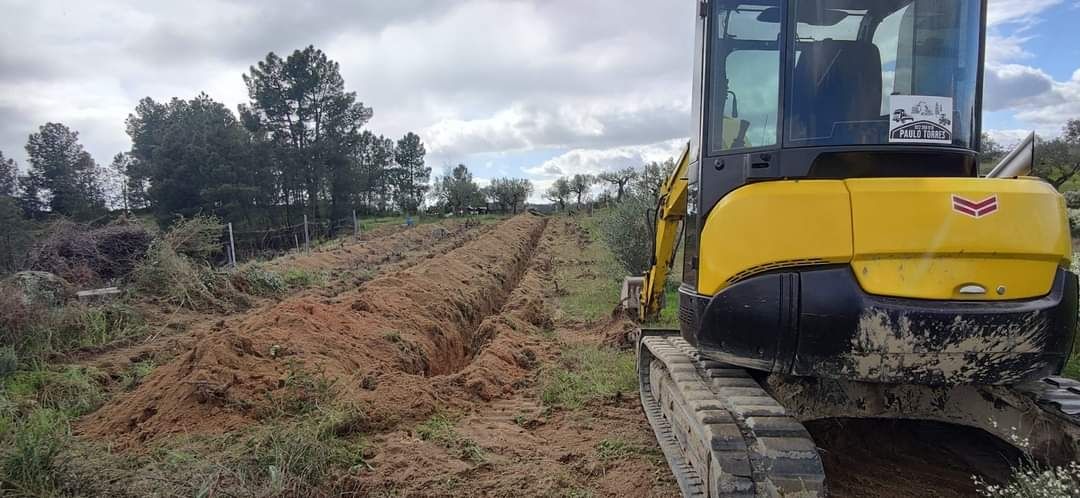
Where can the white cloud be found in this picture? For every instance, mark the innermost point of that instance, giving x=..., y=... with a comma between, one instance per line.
x=1016, y=11
x=595, y=161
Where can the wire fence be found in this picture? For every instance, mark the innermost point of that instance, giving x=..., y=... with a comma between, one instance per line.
x=252, y=244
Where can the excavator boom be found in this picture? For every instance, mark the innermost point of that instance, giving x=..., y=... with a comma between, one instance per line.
x=670, y=212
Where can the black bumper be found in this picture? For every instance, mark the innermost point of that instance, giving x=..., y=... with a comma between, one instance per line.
x=819, y=322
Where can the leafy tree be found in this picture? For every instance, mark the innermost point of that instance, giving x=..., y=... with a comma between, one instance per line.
x=559, y=192
x=374, y=156
x=197, y=158
x=456, y=190
x=16, y=239
x=990, y=152
x=652, y=179
x=62, y=172
x=30, y=198
x=620, y=179
x=1058, y=160
x=300, y=105
x=9, y=176
x=580, y=185
x=509, y=194
x=626, y=230
x=411, y=176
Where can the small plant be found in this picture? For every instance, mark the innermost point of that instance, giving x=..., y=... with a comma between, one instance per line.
x=612, y=449
x=1033, y=481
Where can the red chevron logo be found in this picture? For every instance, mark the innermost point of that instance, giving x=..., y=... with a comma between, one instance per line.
x=975, y=209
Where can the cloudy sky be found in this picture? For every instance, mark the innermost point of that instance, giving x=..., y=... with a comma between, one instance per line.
x=530, y=88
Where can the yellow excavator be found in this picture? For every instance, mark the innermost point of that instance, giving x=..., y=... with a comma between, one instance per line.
x=842, y=255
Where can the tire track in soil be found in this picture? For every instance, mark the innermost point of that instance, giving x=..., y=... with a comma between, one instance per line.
x=348, y=264
x=380, y=344
x=528, y=450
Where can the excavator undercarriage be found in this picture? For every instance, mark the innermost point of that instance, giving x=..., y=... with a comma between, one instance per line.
x=728, y=431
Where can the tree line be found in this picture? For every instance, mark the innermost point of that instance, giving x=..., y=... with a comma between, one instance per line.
x=297, y=148
x=629, y=182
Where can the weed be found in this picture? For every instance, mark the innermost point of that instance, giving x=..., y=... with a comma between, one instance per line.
x=612, y=449
x=104, y=324
x=304, y=279
x=176, y=270
x=392, y=336
x=302, y=392
x=1034, y=481
x=73, y=391
x=439, y=429
x=9, y=361
x=30, y=462
x=258, y=281
x=586, y=373
x=135, y=374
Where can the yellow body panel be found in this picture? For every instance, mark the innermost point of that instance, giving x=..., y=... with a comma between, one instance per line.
x=770, y=223
x=901, y=236
x=910, y=242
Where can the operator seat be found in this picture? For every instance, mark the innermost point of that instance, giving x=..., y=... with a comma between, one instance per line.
x=834, y=81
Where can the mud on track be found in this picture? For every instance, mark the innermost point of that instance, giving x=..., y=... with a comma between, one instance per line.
x=381, y=347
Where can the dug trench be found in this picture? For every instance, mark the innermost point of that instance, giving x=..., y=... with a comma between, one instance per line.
x=396, y=348
x=346, y=264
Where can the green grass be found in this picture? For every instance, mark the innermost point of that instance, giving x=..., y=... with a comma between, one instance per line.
x=439, y=429
x=304, y=279
x=586, y=373
x=36, y=410
x=617, y=448
x=589, y=298
x=299, y=456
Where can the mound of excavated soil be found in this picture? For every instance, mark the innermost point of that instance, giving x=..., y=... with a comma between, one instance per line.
x=380, y=346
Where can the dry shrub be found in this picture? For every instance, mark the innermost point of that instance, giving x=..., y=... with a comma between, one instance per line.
x=176, y=269
x=16, y=316
x=87, y=257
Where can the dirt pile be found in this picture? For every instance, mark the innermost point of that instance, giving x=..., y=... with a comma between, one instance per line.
x=380, y=343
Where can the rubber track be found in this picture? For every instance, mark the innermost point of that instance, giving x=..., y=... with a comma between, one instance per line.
x=723, y=435
x=1057, y=395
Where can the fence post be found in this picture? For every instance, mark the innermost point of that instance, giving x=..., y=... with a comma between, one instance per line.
x=232, y=247
x=307, y=238
x=356, y=225
x=296, y=239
